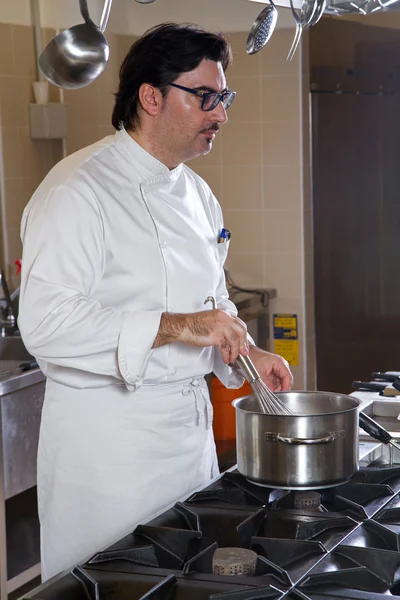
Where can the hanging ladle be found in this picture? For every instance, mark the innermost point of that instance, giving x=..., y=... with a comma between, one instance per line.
x=303, y=20
x=78, y=55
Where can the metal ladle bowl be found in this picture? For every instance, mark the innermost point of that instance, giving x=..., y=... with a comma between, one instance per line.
x=78, y=55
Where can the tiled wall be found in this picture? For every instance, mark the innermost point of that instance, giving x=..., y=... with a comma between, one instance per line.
x=258, y=169
x=89, y=109
x=24, y=161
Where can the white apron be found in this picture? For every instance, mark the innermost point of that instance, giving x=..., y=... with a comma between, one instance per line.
x=125, y=463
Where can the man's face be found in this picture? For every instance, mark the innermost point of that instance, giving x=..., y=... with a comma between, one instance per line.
x=188, y=130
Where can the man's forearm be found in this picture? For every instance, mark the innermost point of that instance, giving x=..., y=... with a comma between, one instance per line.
x=203, y=329
x=170, y=330
x=176, y=327
x=255, y=351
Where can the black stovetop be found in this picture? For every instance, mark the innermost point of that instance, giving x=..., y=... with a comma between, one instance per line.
x=341, y=543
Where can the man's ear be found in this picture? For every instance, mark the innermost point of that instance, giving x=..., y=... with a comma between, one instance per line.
x=150, y=99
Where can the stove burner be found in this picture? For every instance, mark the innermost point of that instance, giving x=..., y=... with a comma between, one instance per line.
x=309, y=500
x=300, y=500
x=234, y=561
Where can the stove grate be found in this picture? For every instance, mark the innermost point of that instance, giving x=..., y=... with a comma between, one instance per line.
x=336, y=594
x=356, y=577
x=383, y=564
x=142, y=555
x=285, y=552
x=373, y=534
x=364, y=493
x=302, y=524
x=358, y=568
x=178, y=544
x=254, y=594
x=377, y=475
x=169, y=587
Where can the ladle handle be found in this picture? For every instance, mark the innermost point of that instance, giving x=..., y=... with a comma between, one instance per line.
x=105, y=15
x=83, y=7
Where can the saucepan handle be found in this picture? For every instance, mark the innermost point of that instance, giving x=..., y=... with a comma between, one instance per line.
x=376, y=431
x=294, y=441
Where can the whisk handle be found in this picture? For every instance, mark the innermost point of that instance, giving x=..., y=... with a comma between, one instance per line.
x=247, y=367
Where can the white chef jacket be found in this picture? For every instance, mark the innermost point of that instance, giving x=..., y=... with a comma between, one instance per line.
x=112, y=239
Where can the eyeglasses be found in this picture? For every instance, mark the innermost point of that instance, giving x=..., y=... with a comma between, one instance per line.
x=210, y=100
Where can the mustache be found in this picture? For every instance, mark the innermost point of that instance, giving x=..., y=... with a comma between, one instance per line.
x=213, y=129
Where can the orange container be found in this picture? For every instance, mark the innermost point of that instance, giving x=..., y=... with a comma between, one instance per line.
x=224, y=425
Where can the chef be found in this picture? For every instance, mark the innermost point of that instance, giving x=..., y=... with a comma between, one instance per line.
x=122, y=245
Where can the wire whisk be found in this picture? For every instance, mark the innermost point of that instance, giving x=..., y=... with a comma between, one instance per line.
x=268, y=401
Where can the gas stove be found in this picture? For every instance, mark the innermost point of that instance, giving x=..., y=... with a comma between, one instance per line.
x=338, y=543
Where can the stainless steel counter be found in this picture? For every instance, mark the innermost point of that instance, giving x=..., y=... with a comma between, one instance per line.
x=12, y=380
x=386, y=411
x=21, y=400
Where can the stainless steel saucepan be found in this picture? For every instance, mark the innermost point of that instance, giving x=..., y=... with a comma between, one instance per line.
x=315, y=448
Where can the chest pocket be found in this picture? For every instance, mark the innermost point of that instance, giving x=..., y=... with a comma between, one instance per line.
x=222, y=252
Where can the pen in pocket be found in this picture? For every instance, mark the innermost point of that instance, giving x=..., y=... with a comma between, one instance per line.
x=224, y=236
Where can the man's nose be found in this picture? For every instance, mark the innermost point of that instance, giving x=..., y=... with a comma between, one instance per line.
x=219, y=113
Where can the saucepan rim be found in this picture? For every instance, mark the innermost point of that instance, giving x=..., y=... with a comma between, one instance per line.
x=356, y=401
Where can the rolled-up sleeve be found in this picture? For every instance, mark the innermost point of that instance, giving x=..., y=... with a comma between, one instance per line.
x=62, y=264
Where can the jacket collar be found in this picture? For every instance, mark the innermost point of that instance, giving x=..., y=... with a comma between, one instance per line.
x=149, y=166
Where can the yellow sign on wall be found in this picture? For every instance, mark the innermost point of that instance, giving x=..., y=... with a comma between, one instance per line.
x=289, y=349
x=286, y=341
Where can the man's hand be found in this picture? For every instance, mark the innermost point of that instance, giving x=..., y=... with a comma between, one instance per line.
x=274, y=370
x=205, y=328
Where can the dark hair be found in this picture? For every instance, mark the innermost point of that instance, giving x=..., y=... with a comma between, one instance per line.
x=159, y=57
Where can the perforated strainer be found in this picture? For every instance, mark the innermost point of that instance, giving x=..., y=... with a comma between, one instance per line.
x=234, y=561
x=262, y=29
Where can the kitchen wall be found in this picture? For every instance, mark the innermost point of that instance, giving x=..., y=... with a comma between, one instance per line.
x=25, y=162
x=89, y=109
x=258, y=169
